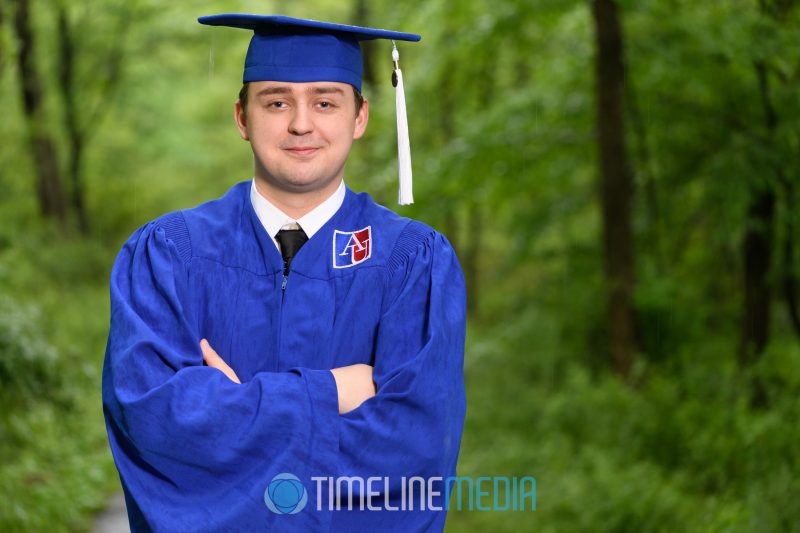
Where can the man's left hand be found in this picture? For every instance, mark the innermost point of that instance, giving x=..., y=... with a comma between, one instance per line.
x=213, y=359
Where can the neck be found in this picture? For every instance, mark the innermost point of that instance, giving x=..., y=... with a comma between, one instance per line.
x=295, y=204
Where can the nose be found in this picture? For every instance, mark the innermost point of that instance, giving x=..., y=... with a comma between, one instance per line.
x=301, y=122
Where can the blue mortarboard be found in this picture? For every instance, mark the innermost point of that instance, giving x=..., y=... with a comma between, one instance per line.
x=298, y=50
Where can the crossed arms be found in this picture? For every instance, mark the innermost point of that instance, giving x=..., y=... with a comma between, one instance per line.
x=354, y=383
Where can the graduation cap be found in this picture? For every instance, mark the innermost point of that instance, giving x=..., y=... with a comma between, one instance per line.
x=297, y=50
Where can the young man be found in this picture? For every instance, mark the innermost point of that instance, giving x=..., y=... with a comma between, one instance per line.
x=331, y=329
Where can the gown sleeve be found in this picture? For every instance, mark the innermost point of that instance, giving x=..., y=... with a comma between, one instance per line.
x=195, y=450
x=413, y=425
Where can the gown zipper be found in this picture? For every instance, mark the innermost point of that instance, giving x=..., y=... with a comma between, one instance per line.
x=280, y=321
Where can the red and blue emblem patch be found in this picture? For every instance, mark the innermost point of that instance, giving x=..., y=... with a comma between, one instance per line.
x=351, y=247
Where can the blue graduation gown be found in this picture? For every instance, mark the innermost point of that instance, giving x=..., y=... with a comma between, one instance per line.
x=195, y=451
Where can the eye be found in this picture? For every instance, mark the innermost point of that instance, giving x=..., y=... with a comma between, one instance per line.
x=326, y=105
x=279, y=104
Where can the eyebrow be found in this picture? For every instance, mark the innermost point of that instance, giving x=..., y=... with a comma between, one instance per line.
x=280, y=89
x=285, y=89
x=327, y=90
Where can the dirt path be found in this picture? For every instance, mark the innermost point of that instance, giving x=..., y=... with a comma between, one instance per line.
x=114, y=519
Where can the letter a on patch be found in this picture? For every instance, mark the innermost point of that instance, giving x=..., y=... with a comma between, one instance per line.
x=351, y=247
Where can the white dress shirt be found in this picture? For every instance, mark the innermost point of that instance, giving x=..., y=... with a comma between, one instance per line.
x=273, y=219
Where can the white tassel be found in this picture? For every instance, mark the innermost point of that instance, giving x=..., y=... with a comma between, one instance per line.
x=405, y=195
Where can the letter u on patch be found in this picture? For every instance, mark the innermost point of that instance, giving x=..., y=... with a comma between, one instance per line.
x=351, y=247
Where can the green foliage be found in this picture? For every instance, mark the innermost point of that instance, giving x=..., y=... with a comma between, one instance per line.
x=683, y=452
x=26, y=359
x=55, y=468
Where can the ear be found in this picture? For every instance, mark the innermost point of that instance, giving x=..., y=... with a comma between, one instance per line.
x=361, y=120
x=240, y=116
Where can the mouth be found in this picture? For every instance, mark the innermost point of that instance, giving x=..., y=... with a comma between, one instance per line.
x=301, y=151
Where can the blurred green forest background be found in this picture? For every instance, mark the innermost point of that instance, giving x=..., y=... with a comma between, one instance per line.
x=619, y=178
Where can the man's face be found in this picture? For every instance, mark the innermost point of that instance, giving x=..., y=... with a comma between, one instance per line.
x=301, y=133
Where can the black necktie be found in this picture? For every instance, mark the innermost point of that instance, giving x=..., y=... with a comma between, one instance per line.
x=290, y=240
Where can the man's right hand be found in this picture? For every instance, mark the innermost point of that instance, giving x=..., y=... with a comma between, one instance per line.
x=354, y=384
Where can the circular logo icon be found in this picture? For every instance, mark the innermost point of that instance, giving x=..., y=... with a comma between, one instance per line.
x=285, y=494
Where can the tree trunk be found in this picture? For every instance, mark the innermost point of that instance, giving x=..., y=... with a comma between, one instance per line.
x=616, y=185
x=757, y=294
x=757, y=249
x=75, y=136
x=43, y=149
x=361, y=18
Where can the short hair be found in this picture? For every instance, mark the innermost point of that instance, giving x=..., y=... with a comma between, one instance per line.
x=359, y=98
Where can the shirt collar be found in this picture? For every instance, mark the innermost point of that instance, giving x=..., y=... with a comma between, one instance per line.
x=273, y=219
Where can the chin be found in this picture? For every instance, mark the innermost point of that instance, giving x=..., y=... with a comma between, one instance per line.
x=299, y=179
x=300, y=184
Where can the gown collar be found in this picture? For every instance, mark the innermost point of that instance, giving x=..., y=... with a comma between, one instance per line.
x=273, y=219
x=314, y=257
